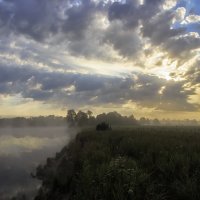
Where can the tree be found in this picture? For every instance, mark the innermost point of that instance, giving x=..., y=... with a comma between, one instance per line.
x=89, y=113
x=144, y=121
x=81, y=118
x=71, y=117
x=156, y=122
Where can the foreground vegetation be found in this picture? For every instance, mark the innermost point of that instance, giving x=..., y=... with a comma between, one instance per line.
x=144, y=163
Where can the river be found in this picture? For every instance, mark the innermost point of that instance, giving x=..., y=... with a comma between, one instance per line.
x=21, y=150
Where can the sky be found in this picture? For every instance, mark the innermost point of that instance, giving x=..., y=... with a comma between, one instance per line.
x=138, y=57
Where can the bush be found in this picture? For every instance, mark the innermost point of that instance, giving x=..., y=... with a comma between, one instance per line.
x=103, y=127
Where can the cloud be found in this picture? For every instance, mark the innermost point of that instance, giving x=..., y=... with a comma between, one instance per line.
x=180, y=14
x=126, y=12
x=193, y=19
x=72, y=22
x=176, y=97
x=78, y=18
x=42, y=20
x=53, y=87
x=38, y=22
x=193, y=74
x=60, y=52
x=159, y=29
x=126, y=42
x=183, y=45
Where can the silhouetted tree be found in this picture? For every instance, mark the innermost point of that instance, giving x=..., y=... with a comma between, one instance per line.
x=115, y=118
x=71, y=117
x=103, y=127
x=156, y=122
x=81, y=118
x=89, y=113
x=144, y=121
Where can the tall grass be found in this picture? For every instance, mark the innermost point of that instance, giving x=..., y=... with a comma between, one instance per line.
x=151, y=163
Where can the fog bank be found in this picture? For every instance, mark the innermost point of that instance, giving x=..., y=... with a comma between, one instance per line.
x=21, y=150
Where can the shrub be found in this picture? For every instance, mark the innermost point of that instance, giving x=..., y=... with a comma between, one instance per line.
x=103, y=127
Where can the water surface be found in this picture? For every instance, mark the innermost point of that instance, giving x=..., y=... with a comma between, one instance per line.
x=21, y=150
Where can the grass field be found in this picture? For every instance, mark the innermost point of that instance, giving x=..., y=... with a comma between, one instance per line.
x=141, y=163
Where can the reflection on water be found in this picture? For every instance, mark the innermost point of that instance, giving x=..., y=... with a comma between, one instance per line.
x=21, y=150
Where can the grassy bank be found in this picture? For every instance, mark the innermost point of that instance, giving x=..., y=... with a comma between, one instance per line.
x=138, y=163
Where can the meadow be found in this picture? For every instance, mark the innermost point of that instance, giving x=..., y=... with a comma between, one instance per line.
x=138, y=163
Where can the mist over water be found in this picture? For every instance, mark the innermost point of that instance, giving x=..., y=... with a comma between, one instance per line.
x=21, y=150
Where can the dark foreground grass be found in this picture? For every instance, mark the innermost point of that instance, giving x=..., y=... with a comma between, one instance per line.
x=141, y=163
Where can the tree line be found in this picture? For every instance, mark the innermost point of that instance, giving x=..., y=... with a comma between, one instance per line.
x=50, y=120
x=81, y=118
